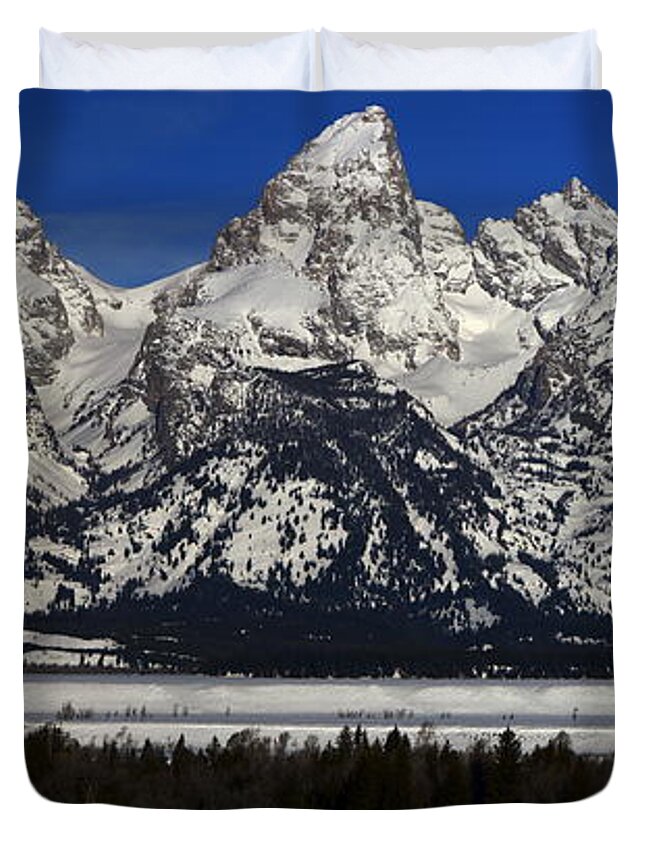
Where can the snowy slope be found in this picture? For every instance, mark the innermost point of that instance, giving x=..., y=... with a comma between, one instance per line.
x=496, y=341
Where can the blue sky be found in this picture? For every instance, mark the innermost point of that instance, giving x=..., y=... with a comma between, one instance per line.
x=135, y=185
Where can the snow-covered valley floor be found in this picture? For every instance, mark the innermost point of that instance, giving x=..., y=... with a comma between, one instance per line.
x=163, y=707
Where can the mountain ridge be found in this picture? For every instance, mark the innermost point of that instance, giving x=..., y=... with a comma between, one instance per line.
x=379, y=418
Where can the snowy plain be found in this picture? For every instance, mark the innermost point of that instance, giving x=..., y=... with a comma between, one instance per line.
x=161, y=707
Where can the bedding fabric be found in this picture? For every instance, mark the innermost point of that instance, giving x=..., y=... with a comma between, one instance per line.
x=565, y=62
x=318, y=387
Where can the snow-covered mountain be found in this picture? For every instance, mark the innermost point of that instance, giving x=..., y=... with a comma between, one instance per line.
x=348, y=413
x=562, y=239
x=342, y=214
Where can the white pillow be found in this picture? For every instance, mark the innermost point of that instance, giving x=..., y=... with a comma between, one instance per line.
x=566, y=62
x=286, y=62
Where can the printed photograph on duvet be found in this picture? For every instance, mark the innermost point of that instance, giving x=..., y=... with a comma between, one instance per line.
x=318, y=391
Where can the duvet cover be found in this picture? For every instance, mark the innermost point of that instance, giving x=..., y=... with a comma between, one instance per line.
x=319, y=412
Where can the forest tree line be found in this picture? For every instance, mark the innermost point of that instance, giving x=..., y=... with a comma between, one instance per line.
x=352, y=772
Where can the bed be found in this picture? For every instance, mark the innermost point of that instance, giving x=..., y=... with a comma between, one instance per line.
x=319, y=388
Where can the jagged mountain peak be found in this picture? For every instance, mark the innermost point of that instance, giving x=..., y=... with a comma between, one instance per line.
x=352, y=140
x=350, y=178
x=342, y=214
x=561, y=239
x=32, y=246
x=576, y=201
x=574, y=191
x=25, y=217
x=44, y=263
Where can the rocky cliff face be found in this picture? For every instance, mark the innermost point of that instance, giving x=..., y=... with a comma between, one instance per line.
x=349, y=409
x=563, y=238
x=548, y=441
x=446, y=252
x=342, y=214
x=43, y=260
